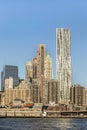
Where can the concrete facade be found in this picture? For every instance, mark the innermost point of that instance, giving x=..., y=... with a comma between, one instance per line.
x=29, y=70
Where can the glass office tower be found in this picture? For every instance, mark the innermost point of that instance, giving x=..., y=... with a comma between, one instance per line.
x=9, y=71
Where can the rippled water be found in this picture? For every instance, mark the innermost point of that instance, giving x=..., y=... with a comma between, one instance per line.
x=43, y=124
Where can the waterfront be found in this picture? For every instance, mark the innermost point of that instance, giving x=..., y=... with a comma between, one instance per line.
x=43, y=124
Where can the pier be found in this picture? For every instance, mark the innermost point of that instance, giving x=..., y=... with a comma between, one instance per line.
x=20, y=113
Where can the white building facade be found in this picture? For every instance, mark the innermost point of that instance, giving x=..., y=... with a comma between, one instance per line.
x=63, y=63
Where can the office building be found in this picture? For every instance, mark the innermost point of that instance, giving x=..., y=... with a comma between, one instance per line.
x=2, y=81
x=63, y=63
x=9, y=71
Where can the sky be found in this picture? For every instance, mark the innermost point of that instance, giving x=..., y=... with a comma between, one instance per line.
x=26, y=23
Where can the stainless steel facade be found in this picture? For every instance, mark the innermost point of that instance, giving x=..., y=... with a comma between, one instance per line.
x=63, y=63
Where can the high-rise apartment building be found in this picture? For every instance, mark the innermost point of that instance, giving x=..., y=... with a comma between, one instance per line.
x=48, y=73
x=78, y=94
x=63, y=63
x=9, y=71
x=29, y=70
x=53, y=92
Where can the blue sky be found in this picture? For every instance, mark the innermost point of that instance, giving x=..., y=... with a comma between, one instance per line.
x=26, y=23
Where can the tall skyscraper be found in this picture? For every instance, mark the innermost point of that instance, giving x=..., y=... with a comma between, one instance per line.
x=48, y=67
x=9, y=71
x=29, y=70
x=41, y=54
x=48, y=76
x=63, y=63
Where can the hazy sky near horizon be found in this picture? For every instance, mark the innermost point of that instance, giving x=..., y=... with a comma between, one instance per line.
x=26, y=23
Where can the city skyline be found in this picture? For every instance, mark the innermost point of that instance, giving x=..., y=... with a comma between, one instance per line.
x=24, y=25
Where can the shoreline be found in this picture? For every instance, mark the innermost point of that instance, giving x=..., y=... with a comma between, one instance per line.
x=39, y=114
x=40, y=117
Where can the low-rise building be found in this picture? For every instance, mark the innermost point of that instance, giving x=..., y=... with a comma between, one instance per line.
x=22, y=92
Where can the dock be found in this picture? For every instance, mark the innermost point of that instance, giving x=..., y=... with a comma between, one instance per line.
x=17, y=113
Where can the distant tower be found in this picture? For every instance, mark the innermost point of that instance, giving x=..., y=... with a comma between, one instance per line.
x=34, y=65
x=63, y=63
x=48, y=67
x=9, y=71
x=41, y=54
x=29, y=70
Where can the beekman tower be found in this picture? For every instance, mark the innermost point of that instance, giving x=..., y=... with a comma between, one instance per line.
x=63, y=63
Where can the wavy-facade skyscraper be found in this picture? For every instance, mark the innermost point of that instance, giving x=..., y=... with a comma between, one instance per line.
x=63, y=63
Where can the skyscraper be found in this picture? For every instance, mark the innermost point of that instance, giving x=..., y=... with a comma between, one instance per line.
x=48, y=73
x=41, y=54
x=63, y=63
x=34, y=62
x=9, y=71
x=29, y=70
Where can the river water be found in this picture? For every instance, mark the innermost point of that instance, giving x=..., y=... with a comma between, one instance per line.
x=43, y=124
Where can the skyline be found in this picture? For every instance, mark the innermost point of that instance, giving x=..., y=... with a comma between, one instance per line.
x=24, y=25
